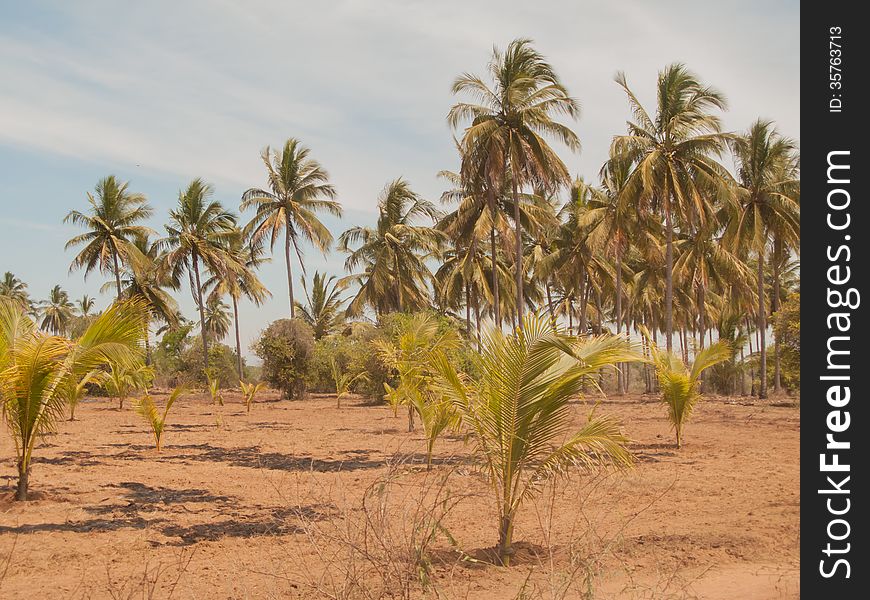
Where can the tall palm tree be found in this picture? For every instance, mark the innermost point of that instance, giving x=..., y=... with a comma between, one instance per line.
x=393, y=254
x=199, y=231
x=57, y=311
x=768, y=202
x=298, y=188
x=16, y=290
x=508, y=122
x=113, y=220
x=325, y=309
x=241, y=282
x=86, y=304
x=674, y=153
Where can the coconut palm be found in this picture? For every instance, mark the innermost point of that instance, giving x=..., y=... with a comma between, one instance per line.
x=343, y=380
x=112, y=221
x=241, y=282
x=217, y=318
x=147, y=278
x=36, y=367
x=85, y=305
x=324, y=311
x=16, y=290
x=199, y=232
x=124, y=379
x=393, y=254
x=519, y=414
x=57, y=312
x=508, y=122
x=249, y=391
x=768, y=201
x=146, y=408
x=680, y=385
x=674, y=156
x=298, y=188
x=74, y=391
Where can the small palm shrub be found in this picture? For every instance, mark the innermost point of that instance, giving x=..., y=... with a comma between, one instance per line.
x=680, y=384
x=249, y=390
x=343, y=380
x=157, y=421
x=74, y=390
x=518, y=413
x=124, y=380
x=214, y=390
x=36, y=369
x=419, y=340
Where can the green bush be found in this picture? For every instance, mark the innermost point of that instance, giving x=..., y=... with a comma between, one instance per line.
x=787, y=330
x=286, y=348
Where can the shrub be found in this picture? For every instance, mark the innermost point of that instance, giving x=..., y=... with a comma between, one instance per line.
x=787, y=329
x=286, y=348
x=221, y=365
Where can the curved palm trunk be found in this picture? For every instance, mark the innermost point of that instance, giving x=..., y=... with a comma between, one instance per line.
x=238, y=338
x=199, y=303
x=117, y=273
x=550, y=304
x=762, y=326
x=620, y=378
x=518, y=227
x=669, y=276
x=289, y=266
x=494, y=257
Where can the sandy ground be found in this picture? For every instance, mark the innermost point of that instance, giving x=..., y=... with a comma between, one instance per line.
x=270, y=505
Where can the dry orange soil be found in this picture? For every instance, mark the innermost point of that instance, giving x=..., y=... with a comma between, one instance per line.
x=270, y=505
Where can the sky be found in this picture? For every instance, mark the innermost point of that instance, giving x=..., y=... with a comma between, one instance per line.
x=160, y=92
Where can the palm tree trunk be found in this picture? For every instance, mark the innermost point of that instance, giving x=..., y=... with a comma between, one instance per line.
x=518, y=228
x=774, y=308
x=620, y=383
x=550, y=304
x=762, y=326
x=584, y=302
x=477, y=316
x=289, y=266
x=23, y=480
x=494, y=256
x=468, y=311
x=201, y=311
x=669, y=275
x=117, y=273
x=238, y=338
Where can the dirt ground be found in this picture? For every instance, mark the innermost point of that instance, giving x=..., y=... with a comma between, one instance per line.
x=270, y=505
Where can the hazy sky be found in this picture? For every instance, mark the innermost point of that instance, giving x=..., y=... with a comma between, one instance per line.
x=161, y=92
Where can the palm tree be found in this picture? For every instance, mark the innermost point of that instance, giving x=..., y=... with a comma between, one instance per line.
x=199, y=232
x=674, y=157
x=519, y=414
x=298, y=188
x=16, y=290
x=57, y=311
x=768, y=200
x=112, y=221
x=393, y=254
x=217, y=318
x=85, y=305
x=507, y=123
x=241, y=282
x=147, y=278
x=680, y=384
x=36, y=370
x=324, y=311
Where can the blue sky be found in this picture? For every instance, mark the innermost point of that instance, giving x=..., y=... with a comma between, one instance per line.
x=160, y=92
